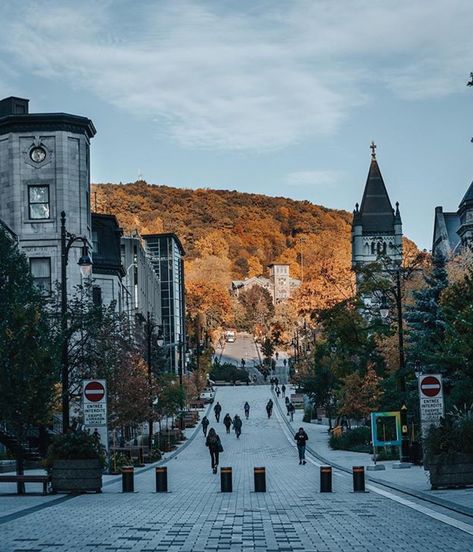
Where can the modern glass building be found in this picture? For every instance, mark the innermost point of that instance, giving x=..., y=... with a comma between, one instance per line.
x=167, y=257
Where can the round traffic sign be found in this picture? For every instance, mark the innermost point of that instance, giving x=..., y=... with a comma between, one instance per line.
x=430, y=386
x=94, y=391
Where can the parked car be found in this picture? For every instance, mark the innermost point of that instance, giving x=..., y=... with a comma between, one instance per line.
x=207, y=395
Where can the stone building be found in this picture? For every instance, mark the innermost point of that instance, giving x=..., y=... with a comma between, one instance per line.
x=280, y=285
x=454, y=230
x=376, y=227
x=45, y=169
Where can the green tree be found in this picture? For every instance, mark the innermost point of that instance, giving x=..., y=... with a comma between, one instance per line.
x=29, y=360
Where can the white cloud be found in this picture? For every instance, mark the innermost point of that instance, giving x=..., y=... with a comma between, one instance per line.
x=243, y=75
x=327, y=178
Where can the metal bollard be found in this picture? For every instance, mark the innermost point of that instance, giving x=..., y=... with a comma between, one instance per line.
x=162, y=479
x=358, y=479
x=226, y=480
x=128, y=479
x=260, y=480
x=325, y=479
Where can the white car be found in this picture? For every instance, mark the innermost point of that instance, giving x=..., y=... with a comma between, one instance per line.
x=207, y=395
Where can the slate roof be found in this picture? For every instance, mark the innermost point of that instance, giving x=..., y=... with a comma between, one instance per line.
x=376, y=211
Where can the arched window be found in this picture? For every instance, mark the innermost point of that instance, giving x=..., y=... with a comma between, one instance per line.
x=372, y=248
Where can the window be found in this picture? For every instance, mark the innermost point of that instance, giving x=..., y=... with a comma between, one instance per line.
x=95, y=241
x=97, y=295
x=41, y=271
x=38, y=202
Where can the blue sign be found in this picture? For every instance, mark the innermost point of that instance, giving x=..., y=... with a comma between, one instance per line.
x=386, y=429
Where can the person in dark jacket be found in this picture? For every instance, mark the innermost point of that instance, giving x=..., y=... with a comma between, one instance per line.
x=278, y=391
x=283, y=389
x=301, y=439
x=246, y=408
x=287, y=404
x=215, y=448
x=237, y=423
x=217, y=410
x=227, y=422
x=269, y=408
x=291, y=409
x=205, y=424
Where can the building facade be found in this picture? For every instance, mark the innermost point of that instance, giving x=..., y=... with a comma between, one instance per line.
x=454, y=230
x=280, y=285
x=167, y=257
x=44, y=170
x=376, y=227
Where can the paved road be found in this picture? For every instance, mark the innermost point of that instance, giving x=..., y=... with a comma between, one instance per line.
x=196, y=517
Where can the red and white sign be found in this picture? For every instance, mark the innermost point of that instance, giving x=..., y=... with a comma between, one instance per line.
x=430, y=386
x=94, y=399
x=94, y=391
x=431, y=401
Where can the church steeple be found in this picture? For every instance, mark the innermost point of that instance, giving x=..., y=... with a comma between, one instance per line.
x=376, y=227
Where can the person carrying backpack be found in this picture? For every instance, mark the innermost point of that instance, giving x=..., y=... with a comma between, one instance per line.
x=215, y=448
x=205, y=424
x=246, y=408
x=217, y=411
x=227, y=422
x=301, y=439
x=237, y=423
x=291, y=409
x=269, y=408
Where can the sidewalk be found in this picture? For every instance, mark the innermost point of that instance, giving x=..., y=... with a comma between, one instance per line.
x=414, y=479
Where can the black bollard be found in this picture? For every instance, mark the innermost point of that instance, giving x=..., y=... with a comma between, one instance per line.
x=260, y=480
x=358, y=479
x=325, y=479
x=226, y=480
x=162, y=479
x=128, y=479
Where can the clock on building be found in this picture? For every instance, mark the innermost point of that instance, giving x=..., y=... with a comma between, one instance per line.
x=38, y=154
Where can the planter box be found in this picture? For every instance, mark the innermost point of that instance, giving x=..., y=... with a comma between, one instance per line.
x=77, y=476
x=454, y=471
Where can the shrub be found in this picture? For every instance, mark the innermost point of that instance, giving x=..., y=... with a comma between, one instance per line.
x=228, y=372
x=453, y=435
x=77, y=445
x=356, y=440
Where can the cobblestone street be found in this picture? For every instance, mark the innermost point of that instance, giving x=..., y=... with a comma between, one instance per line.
x=196, y=516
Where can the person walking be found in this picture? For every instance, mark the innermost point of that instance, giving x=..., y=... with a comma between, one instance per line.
x=217, y=410
x=215, y=448
x=269, y=408
x=283, y=389
x=276, y=382
x=271, y=381
x=237, y=423
x=227, y=422
x=278, y=391
x=301, y=439
x=247, y=410
x=291, y=409
x=287, y=405
x=205, y=425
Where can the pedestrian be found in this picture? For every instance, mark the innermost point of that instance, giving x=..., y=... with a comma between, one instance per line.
x=291, y=409
x=227, y=422
x=205, y=425
x=276, y=382
x=247, y=410
x=278, y=391
x=217, y=410
x=237, y=423
x=277, y=355
x=271, y=381
x=215, y=448
x=287, y=405
x=283, y=389
x=301, y=438
x=269, y=408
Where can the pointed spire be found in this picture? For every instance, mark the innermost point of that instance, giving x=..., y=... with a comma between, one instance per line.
x=468, y=197
x=397, y=215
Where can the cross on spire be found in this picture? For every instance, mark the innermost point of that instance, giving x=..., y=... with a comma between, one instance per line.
x=373, y=150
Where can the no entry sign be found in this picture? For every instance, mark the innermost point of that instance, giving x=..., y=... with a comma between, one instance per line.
x=430, y=386
x=431, y=401
x=94, y=391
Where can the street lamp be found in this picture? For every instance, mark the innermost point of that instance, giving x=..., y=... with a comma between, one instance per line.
x=150, y=327
x=85, y=266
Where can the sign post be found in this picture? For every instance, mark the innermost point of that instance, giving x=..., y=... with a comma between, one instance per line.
x=431, y=401
x=94, y=400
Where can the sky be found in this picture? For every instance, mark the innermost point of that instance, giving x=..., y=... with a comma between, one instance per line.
x=279, y=97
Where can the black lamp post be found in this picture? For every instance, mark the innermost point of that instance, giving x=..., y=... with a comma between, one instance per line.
x=85, y=265
x=384, y=312
x=150, y=327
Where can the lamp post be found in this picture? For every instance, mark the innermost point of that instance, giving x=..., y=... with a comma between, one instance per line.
x=85, y=266
x=150, y=327
x=384, y=312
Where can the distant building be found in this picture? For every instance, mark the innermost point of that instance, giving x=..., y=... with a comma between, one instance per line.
x=44, y=169
x=376, y=227
x=279, y=284
x=108, y=271
x=167, y=257
x=454, y=230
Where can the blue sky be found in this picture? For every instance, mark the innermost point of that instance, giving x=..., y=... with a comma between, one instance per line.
x=276, y=97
